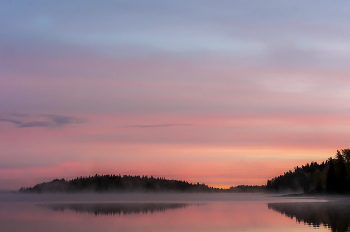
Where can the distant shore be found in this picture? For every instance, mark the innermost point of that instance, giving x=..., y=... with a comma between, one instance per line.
x=125, y=183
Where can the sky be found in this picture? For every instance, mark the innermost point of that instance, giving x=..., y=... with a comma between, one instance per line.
x=217, y=92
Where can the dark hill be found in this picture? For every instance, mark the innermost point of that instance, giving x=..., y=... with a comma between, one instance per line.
x=113, y=183
x=331, y=176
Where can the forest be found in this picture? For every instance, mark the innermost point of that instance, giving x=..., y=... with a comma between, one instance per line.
x=331, y=176
x=127, y=183
x=118, y=183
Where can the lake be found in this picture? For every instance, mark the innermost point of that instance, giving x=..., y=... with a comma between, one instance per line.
x=170, y=212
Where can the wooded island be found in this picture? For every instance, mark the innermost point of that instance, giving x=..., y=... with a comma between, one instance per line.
x=331, y=176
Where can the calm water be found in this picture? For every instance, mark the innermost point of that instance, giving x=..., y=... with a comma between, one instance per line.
x=170, y=212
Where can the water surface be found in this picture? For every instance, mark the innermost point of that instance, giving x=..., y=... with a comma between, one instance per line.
x=169, y=212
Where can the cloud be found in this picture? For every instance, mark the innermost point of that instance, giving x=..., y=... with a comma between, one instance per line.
x=63, y=120
x=156, y=125
x=35, y=124
x=11, y=120
x=49, y=120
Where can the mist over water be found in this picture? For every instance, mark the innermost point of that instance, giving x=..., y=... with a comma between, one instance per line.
x=129, y=197
x=151, y=197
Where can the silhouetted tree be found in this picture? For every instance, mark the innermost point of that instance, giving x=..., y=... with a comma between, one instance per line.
x=331, y=178
x=341, y=172
x=332, y=175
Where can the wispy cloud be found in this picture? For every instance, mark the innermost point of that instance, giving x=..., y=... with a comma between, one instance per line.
x=11, y=120
x=156, y=125
x=49, y=120
x=35, y=124
x=60, y=120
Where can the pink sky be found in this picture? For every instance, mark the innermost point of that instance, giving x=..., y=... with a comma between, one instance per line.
x=221, y=94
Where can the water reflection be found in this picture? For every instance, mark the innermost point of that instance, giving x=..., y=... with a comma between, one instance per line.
x=137, y=217
x=334, y=215
x=115, y=208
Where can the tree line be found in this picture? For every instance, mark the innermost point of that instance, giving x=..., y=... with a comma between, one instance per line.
x=331, y=176
x=127, y=183
x=117, y=183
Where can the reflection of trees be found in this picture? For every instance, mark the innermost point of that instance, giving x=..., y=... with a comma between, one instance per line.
x=334, y=215
x=115, y=208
